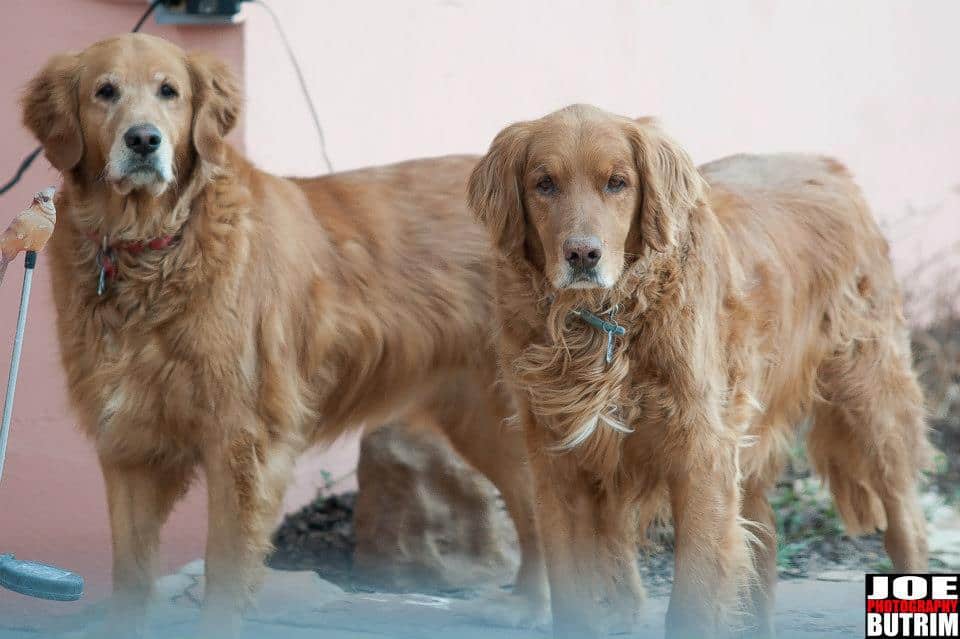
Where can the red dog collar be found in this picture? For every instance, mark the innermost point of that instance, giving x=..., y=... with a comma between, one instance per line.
x=105, y=253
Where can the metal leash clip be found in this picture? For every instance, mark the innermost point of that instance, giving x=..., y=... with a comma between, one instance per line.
x=610, y=327
x=103, y=258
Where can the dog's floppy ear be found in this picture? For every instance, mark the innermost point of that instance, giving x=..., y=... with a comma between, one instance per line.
x=670, y=183
x=50, y=110
x=216, y=105
x=495, y=191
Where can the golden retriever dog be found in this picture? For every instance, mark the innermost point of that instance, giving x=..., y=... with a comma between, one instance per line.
x=664, y=329
x=214, y=317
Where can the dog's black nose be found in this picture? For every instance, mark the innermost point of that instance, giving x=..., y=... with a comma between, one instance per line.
x=143, y=139
x=582, y=252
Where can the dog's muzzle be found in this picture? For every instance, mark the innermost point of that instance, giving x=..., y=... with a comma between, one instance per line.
x=141, y=157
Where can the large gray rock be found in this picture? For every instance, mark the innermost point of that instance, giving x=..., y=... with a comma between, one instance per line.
x=424, y=519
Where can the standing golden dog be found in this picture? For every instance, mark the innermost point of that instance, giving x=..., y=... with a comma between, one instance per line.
x=212, y=316
x=752, y=293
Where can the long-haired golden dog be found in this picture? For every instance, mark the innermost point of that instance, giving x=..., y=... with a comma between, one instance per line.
x=212, y=316
x=750, y=294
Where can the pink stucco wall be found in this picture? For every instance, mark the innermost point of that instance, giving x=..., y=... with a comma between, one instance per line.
x=870, y=81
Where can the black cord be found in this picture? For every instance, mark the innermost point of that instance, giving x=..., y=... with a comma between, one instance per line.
x=27, y=161
x=303, y=82
x=146, y=14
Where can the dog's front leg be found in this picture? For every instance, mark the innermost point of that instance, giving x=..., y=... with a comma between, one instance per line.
x=246, y=478
x=589, y=547
x=139, y=497
x=712, y=560
x=566, y=514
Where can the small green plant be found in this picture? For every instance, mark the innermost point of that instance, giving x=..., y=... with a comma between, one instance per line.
x=883, y=564
x=806, y=517
x=328, y=481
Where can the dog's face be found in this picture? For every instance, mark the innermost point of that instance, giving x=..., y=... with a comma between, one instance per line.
x=579, y=191
x=134, y=111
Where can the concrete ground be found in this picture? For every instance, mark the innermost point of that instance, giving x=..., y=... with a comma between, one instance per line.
x=301, y=605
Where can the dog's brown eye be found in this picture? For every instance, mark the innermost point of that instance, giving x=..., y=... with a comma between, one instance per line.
x=616, y=184
x=167, y=92
x=546, y=185
x=107, y=92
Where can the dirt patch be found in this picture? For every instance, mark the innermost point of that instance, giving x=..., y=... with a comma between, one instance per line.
x=318, y=537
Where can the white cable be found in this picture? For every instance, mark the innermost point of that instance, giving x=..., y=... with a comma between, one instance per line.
x=303, y=83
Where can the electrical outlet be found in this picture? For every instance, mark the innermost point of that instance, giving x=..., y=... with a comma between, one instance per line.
x=208, y=12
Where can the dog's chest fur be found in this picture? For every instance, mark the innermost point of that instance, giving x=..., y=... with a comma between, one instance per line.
x=147, y=390
x=627, y=415
x=162, y=351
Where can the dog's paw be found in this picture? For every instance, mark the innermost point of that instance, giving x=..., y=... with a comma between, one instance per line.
x=507, y=610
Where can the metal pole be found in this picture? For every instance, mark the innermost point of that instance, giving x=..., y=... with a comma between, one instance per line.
x=30, y=578
x=29, y=261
